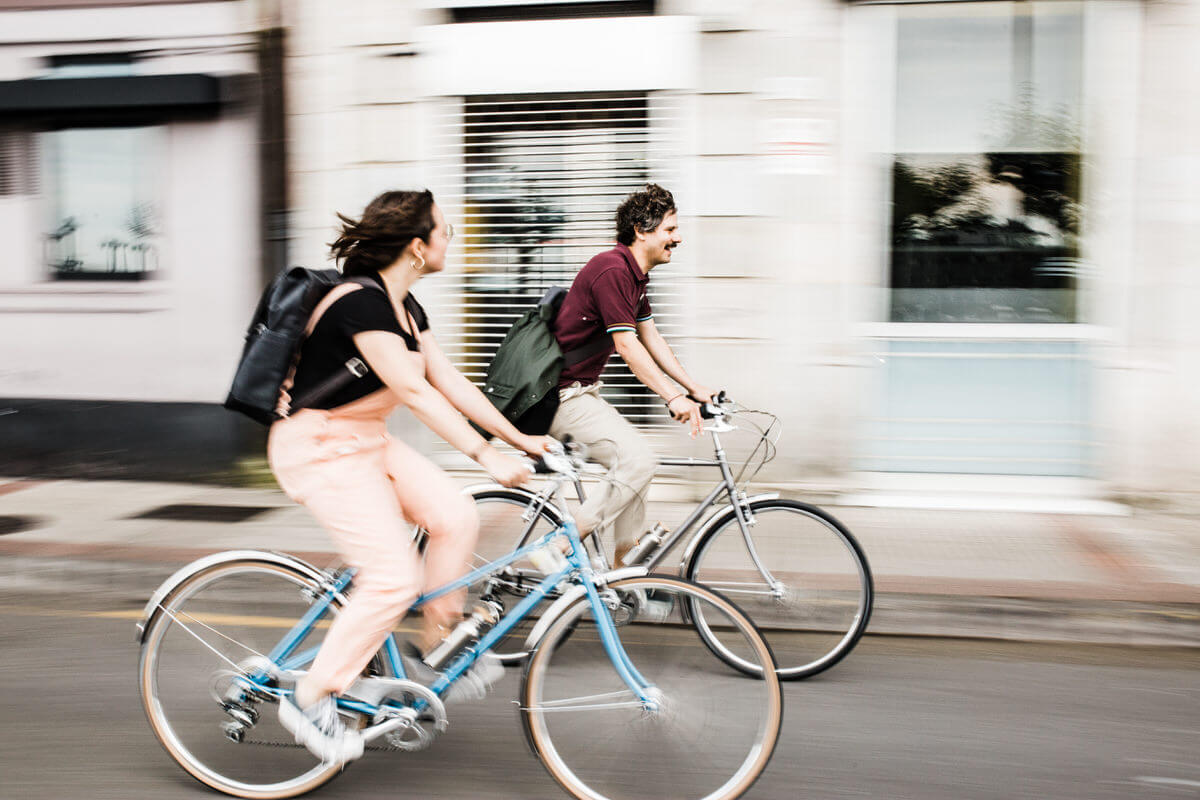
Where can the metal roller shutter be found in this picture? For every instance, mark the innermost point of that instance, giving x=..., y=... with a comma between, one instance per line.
x=531, y=184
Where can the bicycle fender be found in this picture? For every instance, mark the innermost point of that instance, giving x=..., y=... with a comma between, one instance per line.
x=570, y=596
x=490, y=486
x=184, y=572
x=710, y=523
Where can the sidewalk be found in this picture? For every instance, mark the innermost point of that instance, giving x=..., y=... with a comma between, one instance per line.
x=1027, y=576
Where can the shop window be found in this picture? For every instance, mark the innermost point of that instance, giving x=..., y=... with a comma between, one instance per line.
x=492, y=11
x=102, y=201
x=986, y=199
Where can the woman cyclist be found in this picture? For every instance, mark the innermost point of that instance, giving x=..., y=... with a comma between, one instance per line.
x=364, y=486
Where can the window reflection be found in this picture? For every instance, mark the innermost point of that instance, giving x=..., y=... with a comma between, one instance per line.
x=104, y=214
x=985, y=238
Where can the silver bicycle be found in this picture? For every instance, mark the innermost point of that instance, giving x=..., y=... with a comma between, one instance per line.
x=792, y=567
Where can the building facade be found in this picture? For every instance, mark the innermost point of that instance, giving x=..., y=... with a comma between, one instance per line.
x=950, y=245
x=132, y=211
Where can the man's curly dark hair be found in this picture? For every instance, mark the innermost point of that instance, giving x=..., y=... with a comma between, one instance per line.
x=643, y=211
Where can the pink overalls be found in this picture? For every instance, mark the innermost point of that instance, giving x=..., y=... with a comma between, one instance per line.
x=362, y=485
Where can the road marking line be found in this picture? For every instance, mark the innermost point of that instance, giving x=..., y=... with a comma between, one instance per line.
x=246, y=620
x=1167, y=781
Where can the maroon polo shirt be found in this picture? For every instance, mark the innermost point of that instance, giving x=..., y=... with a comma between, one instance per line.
x=608, y=295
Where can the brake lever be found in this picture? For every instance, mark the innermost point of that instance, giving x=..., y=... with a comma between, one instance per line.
x=714, y=409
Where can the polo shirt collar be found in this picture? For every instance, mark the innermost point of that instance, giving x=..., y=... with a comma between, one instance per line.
x=631, y=261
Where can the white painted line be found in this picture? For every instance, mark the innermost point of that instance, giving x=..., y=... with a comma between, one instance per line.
x=1168, y=781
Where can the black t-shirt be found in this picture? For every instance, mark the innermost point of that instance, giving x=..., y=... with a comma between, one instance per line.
x=331, y=344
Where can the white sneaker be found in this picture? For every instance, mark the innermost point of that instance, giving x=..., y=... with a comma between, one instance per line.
x=486, y=670
x=474, y=685
x=651, y=606
x=548, y=560
x=321, y=730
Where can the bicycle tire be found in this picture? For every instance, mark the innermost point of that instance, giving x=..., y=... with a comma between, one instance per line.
x=253, y=604
x=502, y=531
x=826, y=595
x=710, y=737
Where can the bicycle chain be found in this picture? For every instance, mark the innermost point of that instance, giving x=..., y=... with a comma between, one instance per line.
x=370, y=748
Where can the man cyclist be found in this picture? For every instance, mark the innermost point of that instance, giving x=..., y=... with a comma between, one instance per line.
x=608, y=298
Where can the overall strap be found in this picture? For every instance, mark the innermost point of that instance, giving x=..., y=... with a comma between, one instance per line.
x=585, y=351
x=355, y=368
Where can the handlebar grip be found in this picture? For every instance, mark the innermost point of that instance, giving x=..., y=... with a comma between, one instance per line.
x=540, y=467
x=708, y=410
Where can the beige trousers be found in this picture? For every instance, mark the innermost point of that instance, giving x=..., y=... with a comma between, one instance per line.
x=365, y=487
x=614, y=442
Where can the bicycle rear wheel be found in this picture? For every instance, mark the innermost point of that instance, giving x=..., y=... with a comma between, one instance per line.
x=219, y=623
x=820, y=602
x=507, y=522
x=715, y=729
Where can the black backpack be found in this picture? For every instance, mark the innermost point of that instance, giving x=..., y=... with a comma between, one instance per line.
x=273, y=344
x=522, y=379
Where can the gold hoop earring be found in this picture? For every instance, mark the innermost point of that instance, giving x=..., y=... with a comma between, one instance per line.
x=415, y=265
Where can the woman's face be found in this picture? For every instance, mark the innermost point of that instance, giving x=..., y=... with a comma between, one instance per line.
x=434, y=250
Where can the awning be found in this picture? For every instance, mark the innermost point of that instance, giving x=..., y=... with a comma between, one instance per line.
x=197, y=93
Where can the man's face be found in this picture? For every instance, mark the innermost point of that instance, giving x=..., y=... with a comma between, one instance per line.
x=661, y=241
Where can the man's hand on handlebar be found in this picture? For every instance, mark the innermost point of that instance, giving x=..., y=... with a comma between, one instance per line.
x=686, y=411
x=712, y=408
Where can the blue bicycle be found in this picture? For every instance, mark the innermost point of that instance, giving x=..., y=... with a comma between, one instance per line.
x=616, y=675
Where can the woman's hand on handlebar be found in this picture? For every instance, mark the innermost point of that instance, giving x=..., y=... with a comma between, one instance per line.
x=506, y=470
x=703, y=394
x=534, y=446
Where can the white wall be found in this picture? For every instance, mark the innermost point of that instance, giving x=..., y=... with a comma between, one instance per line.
x=175, y=338
x=1160, y=429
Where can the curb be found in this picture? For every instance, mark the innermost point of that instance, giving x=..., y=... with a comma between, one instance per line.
x=122, y=577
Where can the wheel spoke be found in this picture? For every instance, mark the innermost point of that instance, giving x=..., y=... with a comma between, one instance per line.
x=200, y=639
x=585, y=703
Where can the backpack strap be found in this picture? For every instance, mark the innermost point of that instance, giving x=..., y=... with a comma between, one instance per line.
x=553, y=297
x=585, y=351
x=355, y=367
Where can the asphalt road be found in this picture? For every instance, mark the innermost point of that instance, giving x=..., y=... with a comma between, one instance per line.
x=925, y=719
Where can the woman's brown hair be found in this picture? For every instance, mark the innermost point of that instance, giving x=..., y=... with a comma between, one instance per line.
x=388, y=224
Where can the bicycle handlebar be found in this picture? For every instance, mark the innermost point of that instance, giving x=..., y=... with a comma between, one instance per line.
x=711, y=410
x=715, y=408
x=560, y=460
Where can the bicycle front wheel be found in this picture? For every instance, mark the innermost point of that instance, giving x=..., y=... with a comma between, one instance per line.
x=812, y=595
x=212, y=632
x=713, y=730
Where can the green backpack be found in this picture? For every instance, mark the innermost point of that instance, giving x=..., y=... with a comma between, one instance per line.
x=522, y=380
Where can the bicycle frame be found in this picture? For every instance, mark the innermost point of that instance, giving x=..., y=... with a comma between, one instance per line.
x=577, y=569
x=727, y=485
